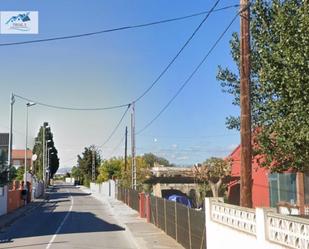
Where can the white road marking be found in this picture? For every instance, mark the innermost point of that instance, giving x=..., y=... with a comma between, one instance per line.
x=62, y=223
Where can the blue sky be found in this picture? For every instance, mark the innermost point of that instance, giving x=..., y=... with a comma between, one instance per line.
x=114, y=68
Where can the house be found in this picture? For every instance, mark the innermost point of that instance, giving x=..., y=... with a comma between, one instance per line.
x=18, y=158
x=268, y=189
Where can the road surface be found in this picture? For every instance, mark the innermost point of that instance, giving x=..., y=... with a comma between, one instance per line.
x=70, y=219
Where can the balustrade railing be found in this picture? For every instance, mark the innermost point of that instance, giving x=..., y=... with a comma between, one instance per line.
x=239, y=218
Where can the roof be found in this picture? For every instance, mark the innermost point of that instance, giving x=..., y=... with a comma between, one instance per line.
x=4, y=139
x=20, y=154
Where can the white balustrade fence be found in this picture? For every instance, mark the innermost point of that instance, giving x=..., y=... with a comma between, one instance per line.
x=229, y=226
x=288, y=231
x=236, y=217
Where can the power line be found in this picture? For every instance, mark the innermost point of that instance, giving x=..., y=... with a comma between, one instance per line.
x=116, y=127
x=177, y=55
x=115, y=29
x=109, y=137
x=190, y=77
x=71, y=108
x=116, y=147
x=191, y=137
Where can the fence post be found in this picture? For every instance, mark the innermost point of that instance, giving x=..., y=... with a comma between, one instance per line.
x=157, y=220
x=148, y=208
x=165, y=223
x=189, y=226
x=142, y=205
x=176, y=222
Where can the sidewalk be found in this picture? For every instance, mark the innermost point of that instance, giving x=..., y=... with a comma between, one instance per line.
x=144, y=235
x=8, y=219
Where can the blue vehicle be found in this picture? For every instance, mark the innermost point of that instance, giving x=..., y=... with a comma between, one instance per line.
x=180, y=199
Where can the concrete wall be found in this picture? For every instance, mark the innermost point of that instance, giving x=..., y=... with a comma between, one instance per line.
x=3, y=200
x=69, y=180
x=37, y=189
x=228, y=226
x=107, y=188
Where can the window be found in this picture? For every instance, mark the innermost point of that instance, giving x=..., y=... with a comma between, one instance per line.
x=282, y=187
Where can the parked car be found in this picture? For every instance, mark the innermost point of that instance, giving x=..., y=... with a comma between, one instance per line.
x=180, y=199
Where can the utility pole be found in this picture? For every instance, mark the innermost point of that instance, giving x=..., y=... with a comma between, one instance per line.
x=245, y=110
x=11, y=136
x=126, y=150
x=44, y=131
x=133, y=146
x=93, y=165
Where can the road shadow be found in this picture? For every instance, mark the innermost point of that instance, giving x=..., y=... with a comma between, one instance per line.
x=54, y=193
x=45, y=220
x=76, y=222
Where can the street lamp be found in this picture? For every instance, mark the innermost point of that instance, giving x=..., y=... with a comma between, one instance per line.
x=29, y=104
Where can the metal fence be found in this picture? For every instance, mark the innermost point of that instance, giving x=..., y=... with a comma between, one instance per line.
x=128, y=196
x=185, y=225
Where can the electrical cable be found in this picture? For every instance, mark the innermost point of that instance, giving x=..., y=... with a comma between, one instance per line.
x=71, y=108
x=191, y=76
x=177, y=55
x=153, y=83
x=116, y=127
x=116, y=147
x=110, y=136
x=115, y=29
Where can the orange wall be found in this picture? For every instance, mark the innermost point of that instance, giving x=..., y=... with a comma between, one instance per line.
x=260, y=188
x=14, y=200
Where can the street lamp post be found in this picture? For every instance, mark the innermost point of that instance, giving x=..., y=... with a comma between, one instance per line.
x=46, y=163
x=45, y=126
x=26, y=144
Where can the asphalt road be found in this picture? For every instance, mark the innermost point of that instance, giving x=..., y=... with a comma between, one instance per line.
x=70, y=219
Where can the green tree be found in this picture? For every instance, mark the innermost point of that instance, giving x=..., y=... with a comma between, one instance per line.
x=110, y=169
x=85, y=163
x=38, y=150
x=280, y=82
x=20, y=174
x=212, y=172
x=151, y=159
x=76, y=173
x=3, y=167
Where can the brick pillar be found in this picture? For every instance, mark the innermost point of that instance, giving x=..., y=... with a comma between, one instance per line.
x=147, y=200
x=142, y=205
x=300, y=190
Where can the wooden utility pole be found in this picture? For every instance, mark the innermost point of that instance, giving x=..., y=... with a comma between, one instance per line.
x=245, y=113
x=126, y=150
